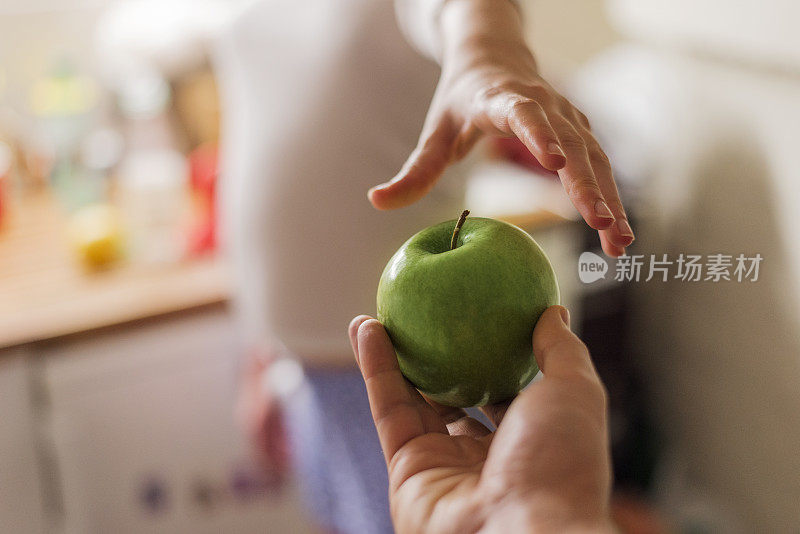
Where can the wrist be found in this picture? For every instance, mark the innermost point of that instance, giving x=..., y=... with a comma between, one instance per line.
x=482, y=32
x=466, y=25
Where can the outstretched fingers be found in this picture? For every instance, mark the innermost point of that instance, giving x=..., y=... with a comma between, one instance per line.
x=618, y=236
x=579, y=179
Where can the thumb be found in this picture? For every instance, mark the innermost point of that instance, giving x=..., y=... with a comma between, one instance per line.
x=558, y=351
x=420, y=172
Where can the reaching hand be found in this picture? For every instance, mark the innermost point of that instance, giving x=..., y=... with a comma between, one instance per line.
x=545, y=469
x=490, y=85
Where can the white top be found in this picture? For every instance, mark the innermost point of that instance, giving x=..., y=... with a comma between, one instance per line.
x=321, y=100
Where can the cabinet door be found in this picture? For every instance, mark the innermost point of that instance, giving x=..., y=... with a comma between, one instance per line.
x=145, y=438
x=21, y=497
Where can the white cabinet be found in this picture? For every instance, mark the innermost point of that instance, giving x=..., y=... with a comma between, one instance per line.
x=144, y=437
x=21, y=496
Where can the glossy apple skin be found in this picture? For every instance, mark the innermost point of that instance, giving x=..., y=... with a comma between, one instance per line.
x=462, y=320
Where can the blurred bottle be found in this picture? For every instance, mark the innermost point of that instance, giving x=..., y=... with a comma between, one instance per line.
x=63, y=102
x=100, y=153
x=152, y=195
x=153, y=176
x=144, y=99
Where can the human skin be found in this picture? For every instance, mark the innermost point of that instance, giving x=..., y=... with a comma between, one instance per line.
x=545, y=469
x=490, y=85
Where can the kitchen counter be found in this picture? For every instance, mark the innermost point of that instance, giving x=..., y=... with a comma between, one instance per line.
x=45, y=292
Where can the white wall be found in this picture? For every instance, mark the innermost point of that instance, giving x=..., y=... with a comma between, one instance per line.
x=565, y=34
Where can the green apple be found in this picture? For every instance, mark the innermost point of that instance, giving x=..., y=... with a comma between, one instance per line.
x=459, y=301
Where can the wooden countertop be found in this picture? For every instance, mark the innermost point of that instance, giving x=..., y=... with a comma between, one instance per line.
x=45, y=292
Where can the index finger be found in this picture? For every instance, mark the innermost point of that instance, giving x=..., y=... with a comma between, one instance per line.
x=394, y=409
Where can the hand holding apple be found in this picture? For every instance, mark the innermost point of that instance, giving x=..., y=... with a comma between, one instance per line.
x=546, y=468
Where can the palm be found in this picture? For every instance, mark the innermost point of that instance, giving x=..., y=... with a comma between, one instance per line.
x=435, y=478
x=432, y=469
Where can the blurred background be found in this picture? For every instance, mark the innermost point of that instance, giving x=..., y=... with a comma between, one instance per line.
x=120, y=350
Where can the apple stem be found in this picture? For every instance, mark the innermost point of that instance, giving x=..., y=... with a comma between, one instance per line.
x=459, y=224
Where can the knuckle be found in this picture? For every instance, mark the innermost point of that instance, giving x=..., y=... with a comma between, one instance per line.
x=598, y=156
x=566, y=343
x=616, y=207
x=501, y=89
x=489, y=92
x=572, y=141
x=399, y=409
x=519, y=91
x=514, y=87
x=401, y=466
x=583, y=189
x=582, y=118
x=564, y=105
x=526, y=113
x=398, y=462
x=521, y=105
x=538, y=92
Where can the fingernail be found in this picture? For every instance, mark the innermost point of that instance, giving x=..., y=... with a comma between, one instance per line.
x=556, y=150
x=624, y=228
x=564, y=316
x=602, y=210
